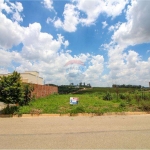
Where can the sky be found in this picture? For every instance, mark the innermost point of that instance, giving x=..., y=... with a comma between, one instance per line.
x=101, y=42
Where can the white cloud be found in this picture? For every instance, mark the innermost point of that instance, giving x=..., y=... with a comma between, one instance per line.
x=48, y=55
x=114, y=8
x=132, y=59
x=13, y=8
x=17, y=17
x=62, y=40
x=111, y=28
x=39, y=45
x=4, y=6
x=126, y=67
x=8, y=27
x=92, y=9
x=50, y=20
x=136, y=29
x=55, y=71
x=71, y=19
x=41, y=52
x=11, y=31
x=5, y=58
x=58, y=23
x=114, y=27
x=148, y=51
x=104, y=24
x=94, y=70
x=48, y=4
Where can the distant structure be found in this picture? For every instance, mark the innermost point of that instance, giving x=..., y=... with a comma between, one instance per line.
x=29, y=77
x=149, y=84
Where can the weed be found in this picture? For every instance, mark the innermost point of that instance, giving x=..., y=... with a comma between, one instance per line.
x=35, y=111
x=107, y=96
x=122, y=105
x=122, y=96
x=145, y=105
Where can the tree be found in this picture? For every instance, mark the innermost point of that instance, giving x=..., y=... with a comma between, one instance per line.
x=80, y=84
x=11, y=90
x=84, y=84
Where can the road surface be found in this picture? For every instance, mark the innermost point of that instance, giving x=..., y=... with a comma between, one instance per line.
x=111, y=132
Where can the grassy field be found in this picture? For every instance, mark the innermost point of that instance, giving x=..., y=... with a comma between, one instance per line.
x=96, y=100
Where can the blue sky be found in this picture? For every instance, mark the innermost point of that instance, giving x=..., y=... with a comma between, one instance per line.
x=111, y=38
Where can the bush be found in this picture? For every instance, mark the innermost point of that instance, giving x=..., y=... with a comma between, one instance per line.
x=107, y=96
x=122, y=96
x=10, y=110
x=128, y=97
x=145, y=97
x=122, y=105
x=11, y=90
x=145, y=105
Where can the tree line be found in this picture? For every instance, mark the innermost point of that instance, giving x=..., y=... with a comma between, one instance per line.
x=126, y=86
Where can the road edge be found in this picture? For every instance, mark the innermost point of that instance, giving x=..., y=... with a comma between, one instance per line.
x=71, y=115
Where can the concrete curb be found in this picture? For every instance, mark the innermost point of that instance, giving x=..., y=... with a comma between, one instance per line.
x=71, y=115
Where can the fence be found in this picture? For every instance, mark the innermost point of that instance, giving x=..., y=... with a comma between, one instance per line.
x=43, y=90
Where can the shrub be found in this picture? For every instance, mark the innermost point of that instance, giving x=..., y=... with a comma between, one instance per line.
x=10, y=110
x=145, y=105
x=145, y=97
x=36, y=111
x=122, y=105
x=122, y=96
x=107, y=96
x=27, y=89
x=11, y=90
x=128, y=97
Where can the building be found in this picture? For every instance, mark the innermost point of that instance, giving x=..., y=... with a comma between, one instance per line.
x=29, y=77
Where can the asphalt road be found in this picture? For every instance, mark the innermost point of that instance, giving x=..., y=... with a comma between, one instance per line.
x=111, y=132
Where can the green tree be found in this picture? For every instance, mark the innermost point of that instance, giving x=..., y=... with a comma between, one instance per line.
x=11, y=90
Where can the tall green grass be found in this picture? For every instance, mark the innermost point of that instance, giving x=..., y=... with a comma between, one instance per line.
x=89, y=103
x=94, y=100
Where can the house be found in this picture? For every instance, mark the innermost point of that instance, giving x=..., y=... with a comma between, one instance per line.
x=29, y=77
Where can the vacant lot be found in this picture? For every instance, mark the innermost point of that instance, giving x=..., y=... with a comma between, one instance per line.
x=96, y=100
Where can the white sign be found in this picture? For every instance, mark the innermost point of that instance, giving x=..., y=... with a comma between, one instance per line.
x=74, y=100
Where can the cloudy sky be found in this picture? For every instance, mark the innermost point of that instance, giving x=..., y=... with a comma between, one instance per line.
x=111, y=39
